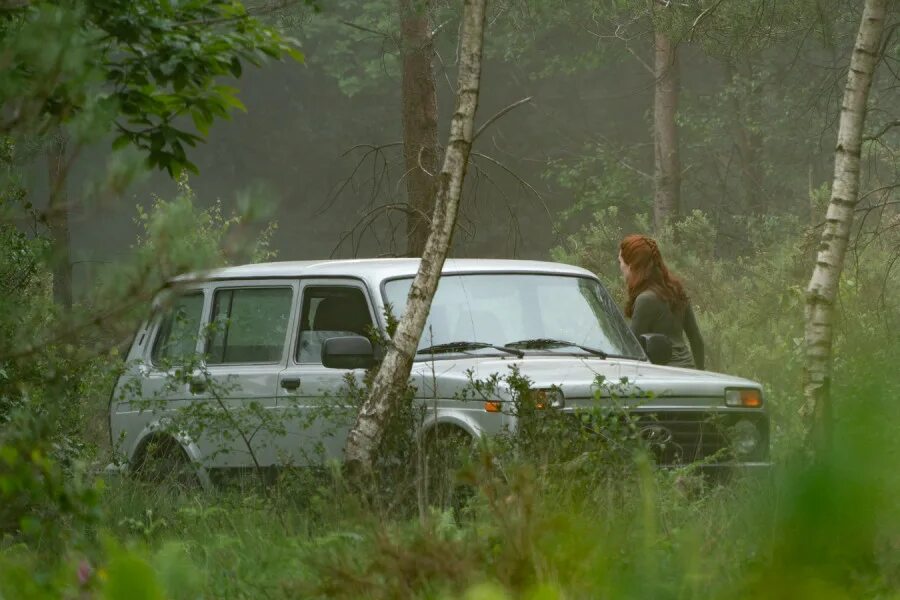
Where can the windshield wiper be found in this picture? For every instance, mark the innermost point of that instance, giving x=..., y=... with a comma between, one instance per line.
x=463, y=346
x=546, y=343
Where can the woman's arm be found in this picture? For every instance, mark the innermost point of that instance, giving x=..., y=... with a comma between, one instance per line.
x=694, y=338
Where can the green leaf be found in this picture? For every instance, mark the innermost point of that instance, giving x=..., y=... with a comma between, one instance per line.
x=228, y=96
x=121, y=141
x=201, y=122
x=131, y=578
x=236, y=66
x=295, y=54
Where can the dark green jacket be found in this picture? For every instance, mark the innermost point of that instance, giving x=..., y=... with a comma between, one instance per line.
x=653, y=315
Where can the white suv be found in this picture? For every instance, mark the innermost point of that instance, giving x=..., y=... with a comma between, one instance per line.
x=279, y=337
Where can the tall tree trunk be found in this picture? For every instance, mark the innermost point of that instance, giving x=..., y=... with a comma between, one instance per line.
x=58, y=220
x=420, y=138
x=823, y=285
x=389, y=385
x=667, y=167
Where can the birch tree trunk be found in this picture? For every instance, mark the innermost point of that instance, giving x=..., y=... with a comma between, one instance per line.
x=823, y=285
x=389, y=385
x=667, y=167
x=420, y=120
x=58, y=221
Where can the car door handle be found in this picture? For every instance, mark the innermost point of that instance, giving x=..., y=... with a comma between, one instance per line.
x=197, y=386
x=290, y=383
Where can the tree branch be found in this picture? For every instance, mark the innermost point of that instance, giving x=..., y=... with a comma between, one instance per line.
x=882, y=131
x=500, y=114
x=703, y=14
x=367, y=30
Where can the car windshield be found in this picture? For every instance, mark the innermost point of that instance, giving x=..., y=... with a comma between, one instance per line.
x=533, y=312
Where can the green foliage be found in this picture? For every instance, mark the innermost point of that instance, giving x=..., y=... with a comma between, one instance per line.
x=750, y=306
x=56, y=371
x=552, y=38
x=532, y=530
x=130, y=576
x=357, y=44
x=180, y=236
x=600, y=439
x=38, y=499
x=138, y=67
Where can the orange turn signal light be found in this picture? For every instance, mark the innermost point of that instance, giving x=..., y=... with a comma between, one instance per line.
x=746, y=398
x=492, y=406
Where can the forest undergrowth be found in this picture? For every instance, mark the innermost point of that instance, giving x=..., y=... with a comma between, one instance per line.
x=541, y=517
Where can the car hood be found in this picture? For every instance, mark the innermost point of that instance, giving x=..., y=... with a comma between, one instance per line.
x=577, y=377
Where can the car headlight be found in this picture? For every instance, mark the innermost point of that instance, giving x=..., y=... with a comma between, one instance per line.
x=745, y=437
x=744, y=397
x=548, y=398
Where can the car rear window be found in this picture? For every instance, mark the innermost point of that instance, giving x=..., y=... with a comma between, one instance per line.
x=249, y=325
x=176, y=339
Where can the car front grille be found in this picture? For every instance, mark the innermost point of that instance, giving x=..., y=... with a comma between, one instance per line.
x=682, y=437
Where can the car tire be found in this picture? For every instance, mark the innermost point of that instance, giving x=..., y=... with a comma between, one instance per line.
x=446, y=449
x=164, y=463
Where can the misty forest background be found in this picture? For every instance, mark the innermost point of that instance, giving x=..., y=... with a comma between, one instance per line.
x=756, y=128
x=709, y=124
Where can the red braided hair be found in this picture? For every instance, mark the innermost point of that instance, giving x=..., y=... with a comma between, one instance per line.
x=649, y=272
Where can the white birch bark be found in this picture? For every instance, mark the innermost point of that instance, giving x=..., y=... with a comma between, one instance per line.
x=389, y=385
x=822, y=290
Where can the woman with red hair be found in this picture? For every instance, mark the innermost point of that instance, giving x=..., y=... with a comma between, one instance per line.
x=657, y=302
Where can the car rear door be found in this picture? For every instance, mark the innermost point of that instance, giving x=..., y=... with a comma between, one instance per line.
x=246, y=349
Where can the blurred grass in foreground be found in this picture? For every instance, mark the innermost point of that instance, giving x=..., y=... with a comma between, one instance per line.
x=827, y=528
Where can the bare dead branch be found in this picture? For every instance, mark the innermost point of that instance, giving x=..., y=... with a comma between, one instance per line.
x=421, y=166
x=444, y=71
x=521, y=181
x=500, y=114
x=617, y=34
x=371, y=148
x=367, y=30
x=887, y=127
x=437, y=29
x=703, y=14
x=367, y=219
x=515, y=227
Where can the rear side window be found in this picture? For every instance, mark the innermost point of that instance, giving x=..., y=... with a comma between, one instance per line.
x=249, y=325
x=327, y=312
x=178, y=331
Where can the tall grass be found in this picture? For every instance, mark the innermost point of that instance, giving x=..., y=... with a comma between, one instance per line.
x=824, y=528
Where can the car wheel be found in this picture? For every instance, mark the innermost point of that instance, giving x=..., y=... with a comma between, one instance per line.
x=445, y=450
x=164, y=463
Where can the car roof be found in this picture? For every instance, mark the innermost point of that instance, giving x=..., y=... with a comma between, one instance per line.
x=378, y=269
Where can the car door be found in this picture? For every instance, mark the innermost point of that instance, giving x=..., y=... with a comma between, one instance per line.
x=245, y=352
x=317, y=401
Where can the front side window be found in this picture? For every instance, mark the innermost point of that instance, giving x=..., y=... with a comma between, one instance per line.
x=506, y=308
x=249, y=325
x=176, y=339
x=327, y=312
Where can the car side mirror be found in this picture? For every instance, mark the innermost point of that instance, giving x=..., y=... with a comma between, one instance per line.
x=349, y=352
x=658, y=347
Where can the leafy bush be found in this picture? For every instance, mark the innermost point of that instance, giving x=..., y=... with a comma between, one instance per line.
x=57, y=369
x=750, y=307
x=39, y=501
